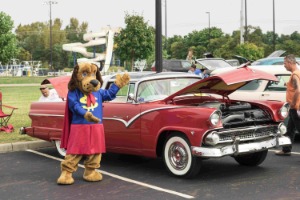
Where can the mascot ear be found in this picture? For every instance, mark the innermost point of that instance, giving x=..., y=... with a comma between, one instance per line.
x=98, y=76
x=73, y=81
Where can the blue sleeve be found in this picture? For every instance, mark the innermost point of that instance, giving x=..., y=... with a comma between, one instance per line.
x=110, y=94
x=74, y=103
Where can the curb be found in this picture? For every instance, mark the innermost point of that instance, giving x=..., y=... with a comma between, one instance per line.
x=21, y=146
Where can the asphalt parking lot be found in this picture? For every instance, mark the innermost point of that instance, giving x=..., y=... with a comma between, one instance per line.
x=32, y=174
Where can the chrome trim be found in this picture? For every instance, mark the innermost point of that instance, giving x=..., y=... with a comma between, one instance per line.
x=46, y=115
x=128, y=123
x=237, y=149
x=246, y=134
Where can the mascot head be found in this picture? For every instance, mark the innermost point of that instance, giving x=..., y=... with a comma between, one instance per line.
x=86, y=77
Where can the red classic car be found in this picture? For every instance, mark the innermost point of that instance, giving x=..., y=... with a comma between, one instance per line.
x=179, y=117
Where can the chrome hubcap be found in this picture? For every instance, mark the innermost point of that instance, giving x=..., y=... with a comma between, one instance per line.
x=178, y=156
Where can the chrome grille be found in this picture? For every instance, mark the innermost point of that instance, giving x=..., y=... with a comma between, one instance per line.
x=252, y=133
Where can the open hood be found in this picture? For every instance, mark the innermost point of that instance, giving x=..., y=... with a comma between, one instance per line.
x=60, y=84
x=225, y=83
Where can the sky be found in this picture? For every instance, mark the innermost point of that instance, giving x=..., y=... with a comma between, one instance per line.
x=183, y=17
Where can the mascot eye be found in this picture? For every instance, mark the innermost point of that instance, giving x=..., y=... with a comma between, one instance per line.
x=84, y=74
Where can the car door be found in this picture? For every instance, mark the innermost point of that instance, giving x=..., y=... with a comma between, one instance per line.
x=276, y=90
x=251, y=91
x=122, y=124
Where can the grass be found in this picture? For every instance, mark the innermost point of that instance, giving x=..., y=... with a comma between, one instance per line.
x=19, y=97
x=21, y=80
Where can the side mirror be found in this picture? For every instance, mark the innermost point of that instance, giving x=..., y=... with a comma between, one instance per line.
x=131, y=97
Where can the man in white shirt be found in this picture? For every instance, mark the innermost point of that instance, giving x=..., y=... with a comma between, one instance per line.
x=48, y=95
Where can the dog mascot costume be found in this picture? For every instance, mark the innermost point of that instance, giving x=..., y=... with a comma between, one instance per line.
x=83, y=134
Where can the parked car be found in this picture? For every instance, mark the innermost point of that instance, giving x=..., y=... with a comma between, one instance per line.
x=211, y=64
x=174, y=66
x=175, y=116
x=271, y=61
x=264, y=89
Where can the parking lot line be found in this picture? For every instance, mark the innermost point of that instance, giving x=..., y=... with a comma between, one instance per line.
x=296, y=153
x=123, y=178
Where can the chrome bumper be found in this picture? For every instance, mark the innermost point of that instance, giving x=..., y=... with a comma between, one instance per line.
x=236, y=149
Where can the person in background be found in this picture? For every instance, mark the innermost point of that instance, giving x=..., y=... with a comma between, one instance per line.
x=293, y=98
x=195, y=70
x=48, y=95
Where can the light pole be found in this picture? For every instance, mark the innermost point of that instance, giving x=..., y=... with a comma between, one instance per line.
x=274, y=25
x=50, y=3
x=246, y=25
x=158, y=33
x=166, y=24
x=208, y=27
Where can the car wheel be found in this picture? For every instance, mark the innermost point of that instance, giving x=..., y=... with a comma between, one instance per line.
x=178, y=157
x=61, y=151
x=252, y=159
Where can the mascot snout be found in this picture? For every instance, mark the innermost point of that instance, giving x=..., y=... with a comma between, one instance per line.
x=94, y=82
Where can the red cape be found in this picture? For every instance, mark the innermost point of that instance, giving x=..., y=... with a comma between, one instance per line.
x=66, y=129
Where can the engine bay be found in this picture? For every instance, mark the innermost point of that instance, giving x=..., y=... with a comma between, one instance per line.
x=237, y=114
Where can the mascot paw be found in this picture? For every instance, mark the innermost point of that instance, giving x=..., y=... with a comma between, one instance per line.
x=65, y=178
x=91, y=118
x=122, y=80
x=92, y=175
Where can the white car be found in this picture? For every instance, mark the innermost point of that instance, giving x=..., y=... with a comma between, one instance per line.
x=263, y=89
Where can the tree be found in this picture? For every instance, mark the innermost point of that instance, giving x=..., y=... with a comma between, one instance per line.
x=135, y=41
x=250, y=51
x=75, y=31
x=8, y=42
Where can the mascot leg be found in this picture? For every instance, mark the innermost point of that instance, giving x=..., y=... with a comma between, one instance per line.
x=68, y=166
x=91, y=163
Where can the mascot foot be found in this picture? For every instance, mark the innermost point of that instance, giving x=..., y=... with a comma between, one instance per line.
x=65, y=178
x=92, y=175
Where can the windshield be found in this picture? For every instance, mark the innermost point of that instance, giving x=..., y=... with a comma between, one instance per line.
x=212, y=64
x=160, y=89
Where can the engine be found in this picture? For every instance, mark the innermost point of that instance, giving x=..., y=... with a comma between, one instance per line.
x=240, y=114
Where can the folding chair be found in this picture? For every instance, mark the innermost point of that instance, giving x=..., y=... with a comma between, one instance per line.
x=4, y=117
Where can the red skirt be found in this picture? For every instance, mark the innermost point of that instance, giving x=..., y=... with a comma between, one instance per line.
x=86, y=139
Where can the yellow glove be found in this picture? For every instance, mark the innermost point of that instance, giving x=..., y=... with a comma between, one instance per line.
x=91, y=118
x=122, y=80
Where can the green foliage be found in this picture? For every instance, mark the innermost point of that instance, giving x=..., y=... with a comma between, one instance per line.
x=135, y=41
x=8, y=43
x=250, y=51
x=34, y=41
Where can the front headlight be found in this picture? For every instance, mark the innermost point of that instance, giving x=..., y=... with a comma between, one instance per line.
x=215, y=118
x=284, y=111
x=282, y=129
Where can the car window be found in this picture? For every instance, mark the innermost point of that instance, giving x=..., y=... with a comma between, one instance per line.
x=278, y=63
x=122, y=94
x=252, y=85
x=186, y=64
x=175, y=64
x=160, y=89
x=214, y=64
x=131, y=90
x=279, y=85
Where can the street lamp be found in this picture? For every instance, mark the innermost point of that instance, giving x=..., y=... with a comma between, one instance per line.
x=274, y=25
x=158, y=32
x=208, y=27
x=166, y=24
x=50, y=4
x=246, y=25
